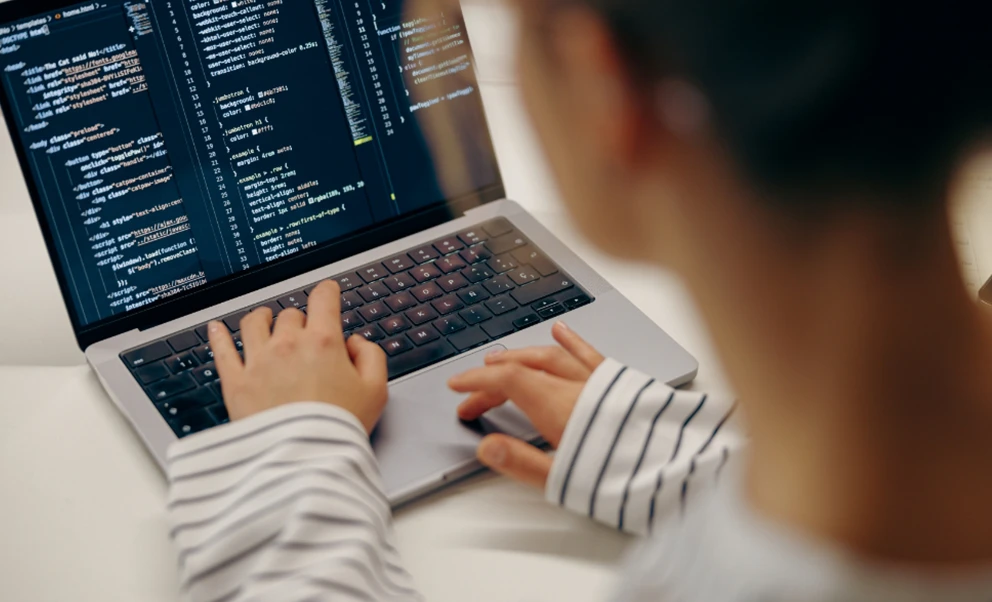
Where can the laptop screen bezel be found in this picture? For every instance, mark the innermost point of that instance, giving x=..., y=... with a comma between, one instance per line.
x=241, y=283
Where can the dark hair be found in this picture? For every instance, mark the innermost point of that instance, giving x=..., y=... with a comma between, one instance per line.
x=826, y=99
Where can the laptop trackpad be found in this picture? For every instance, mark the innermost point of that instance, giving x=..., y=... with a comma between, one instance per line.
x=420, y=436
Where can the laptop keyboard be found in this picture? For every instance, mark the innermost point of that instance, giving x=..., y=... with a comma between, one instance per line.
x=422, y=307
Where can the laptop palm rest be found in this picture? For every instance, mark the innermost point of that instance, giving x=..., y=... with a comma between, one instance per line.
x=420, y=439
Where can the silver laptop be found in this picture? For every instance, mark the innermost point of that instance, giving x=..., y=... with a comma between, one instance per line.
x=191, y=161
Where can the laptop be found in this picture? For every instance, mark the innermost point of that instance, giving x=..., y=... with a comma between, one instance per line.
x=192, y=160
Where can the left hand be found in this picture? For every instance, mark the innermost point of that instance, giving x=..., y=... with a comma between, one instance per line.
x=304, y=358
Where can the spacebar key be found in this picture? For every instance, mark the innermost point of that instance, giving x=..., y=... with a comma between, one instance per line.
x=421, y=357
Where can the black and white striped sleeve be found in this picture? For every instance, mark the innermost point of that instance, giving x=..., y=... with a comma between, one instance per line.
x=286, y=505
x=636, y=451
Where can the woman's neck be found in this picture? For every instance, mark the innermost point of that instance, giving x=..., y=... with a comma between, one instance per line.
x=865, y=370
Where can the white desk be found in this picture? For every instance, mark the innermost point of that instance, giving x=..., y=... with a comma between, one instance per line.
x=81, y=511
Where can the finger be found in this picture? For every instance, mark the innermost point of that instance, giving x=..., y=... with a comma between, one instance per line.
x=369, y=360
x=577, y=346
x=289, y=320
x=514, y=458
x=478, y=404
x=324, y=310
x=553, y=360
x=226, y=357
x=531, y=390
x=256, y=330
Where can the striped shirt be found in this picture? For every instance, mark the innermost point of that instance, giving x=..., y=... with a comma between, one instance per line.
x=289, y=505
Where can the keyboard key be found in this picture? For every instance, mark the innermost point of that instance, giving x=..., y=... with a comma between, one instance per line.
x=473, y=295
x=551, y=311
x=475, y=315
x=401, y=302
x=450, y=264
x=421, y=357
x=535, y=259
x=476, y=254
x=233, y=322
x=394, y=325
x=499, y=284
x=151, y=373
x=498, y=327
x=450, y=325
x=206, y=374
x=400, y=282
x=351, y=320
x=505, y=243
x=577, y=301
x=501, y=305
x=426, y=273
x=468, y=339
x=423, y=335
x=215, y=390
x=473, y=236
x=204, y=354
x=197, y=398
x=449, y=245
x=426, y=292
x=498, y=227
x=201, y=331
x=182, y=362
x=351, y=300
x=545, y=287
x=447, y=305
x=219, y=413
x=421, y=315
x=149, y=354
x=238, y=343
x=371, y=332
x=400, y=263
x=526, y=321
x=169, y=387
x=478, y=273
x=296, y=300
x=452, y=282
x=192, y=422
x=523, y=275
x=374, y=311
x=424, y=254
x=542, y=304
x=373, y=272
x=183, y=341
x=374, y=292
x=503, y=263
x=347, y=282
x=394, y=347
x=275, y=307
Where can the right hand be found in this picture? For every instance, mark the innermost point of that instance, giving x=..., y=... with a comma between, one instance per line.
x=545, y=383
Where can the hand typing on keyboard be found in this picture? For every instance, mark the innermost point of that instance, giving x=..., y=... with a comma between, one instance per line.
x=305, y=357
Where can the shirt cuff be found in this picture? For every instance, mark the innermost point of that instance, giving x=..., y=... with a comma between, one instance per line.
x=341, y=421
x=583, y=416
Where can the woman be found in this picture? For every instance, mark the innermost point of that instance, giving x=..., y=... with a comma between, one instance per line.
x=793, y=163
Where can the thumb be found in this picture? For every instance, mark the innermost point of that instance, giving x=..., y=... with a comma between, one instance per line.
x=516, y=459
x=369, y=359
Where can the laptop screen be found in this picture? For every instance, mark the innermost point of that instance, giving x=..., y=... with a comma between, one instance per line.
x=175, y=143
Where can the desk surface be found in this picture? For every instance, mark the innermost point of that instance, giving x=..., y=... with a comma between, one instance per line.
x=82, y=512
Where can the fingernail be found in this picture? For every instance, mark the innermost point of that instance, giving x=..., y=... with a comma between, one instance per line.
x=493, y=454
x=562, y=326
x=495, y=353
x=214, y=327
